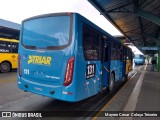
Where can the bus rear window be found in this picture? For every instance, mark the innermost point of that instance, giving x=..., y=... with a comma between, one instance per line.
x=46, y=31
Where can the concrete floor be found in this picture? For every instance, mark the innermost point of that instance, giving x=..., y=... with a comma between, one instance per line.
x=140, y=94
x=14, y=99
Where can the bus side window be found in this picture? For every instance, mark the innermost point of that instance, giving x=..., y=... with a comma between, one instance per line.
x=5, y=47
x=106, y=53
x=114, y=51
x=14, y=47
x=124, y=54
x=2, y=46
x=119, y=52
x=104, y=48
x=90, y=43
x=129, y=54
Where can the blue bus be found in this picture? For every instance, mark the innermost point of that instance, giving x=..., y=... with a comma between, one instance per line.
x=139, y=59
x=67, y=57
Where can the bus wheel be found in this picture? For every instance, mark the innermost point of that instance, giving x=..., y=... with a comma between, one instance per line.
x=111, y=82
x=5, y=67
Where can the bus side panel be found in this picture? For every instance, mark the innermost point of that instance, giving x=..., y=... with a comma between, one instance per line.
x=14, y=61
x=69, y=93
x=81, y=93
x=10, y=57
x=86, y=87
x=116, y=68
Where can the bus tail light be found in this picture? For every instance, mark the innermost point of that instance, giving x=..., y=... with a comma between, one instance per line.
x=19, y=66
x=69, y=72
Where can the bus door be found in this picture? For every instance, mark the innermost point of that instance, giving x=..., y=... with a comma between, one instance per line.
x=123, y=58
x=105, y=63
x=122, y=62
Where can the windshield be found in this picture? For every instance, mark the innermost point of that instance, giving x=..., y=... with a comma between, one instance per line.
x=46, y=31
x=139, y=56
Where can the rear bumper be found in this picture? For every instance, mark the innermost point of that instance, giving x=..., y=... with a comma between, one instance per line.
x=51, y=91
x=38, y=88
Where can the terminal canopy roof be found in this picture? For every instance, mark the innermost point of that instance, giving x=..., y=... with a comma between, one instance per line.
x=9, y=29
x=137, y=20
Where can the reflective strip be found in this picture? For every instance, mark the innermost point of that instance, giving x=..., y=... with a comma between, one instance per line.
x=106, y=69
x=64, y=92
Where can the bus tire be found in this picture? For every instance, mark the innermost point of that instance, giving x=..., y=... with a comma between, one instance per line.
x=111, y=82
x=5, y=67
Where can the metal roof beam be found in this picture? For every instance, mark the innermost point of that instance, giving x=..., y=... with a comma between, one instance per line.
x=108, y=17
x=157, y=32
x=136, y=39
x=117, y=11
x=135, y=6
x=132, y=30
x=146, y=35
x=148, y=15
x=140, y=43
x=117, y=8
x=142, y=30
x=148, y=3
x=152, y=37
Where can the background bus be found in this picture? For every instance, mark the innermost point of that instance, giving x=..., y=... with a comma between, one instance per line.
x=67, y=57
x=8, y=54
x=139, y=59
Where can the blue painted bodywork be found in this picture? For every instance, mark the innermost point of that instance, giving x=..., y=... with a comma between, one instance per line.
x=47, y=79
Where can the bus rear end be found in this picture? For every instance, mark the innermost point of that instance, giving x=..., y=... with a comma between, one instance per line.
x=139, y=59
x=47, y=56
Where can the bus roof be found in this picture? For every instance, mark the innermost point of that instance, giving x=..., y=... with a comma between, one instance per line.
x=9, y=40
x=98, y=28
x=48, y=15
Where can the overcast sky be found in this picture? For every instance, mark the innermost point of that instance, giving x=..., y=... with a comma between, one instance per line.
x=17, y=10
